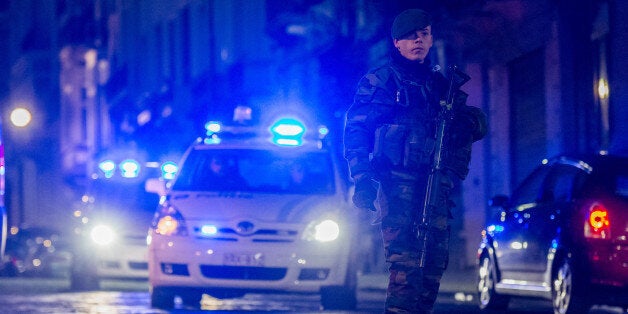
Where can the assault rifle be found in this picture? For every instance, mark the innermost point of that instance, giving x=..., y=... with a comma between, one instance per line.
x=457, y=78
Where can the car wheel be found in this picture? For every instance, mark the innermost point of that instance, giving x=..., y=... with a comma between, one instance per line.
x=83, y=275
x=161, y=298
x=488, y=298
x=568, y=295
x=191, y=298
x=342, y=297
x=84, y=282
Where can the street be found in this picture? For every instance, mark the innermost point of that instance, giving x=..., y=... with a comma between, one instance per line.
x=52, y=295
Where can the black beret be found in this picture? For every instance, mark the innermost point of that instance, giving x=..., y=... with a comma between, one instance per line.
x=408, y=21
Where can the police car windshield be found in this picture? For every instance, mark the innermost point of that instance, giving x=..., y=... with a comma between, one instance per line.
x=259, y=171
x=128, y=197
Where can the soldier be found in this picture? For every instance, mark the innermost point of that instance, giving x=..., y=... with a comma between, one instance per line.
x=389, y=143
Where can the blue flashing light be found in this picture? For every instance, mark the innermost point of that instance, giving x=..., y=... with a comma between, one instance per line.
x=129, y=168
x=209, y=230
x=288, y=131
x=287, y=127
x=323, y=131
x=495, y=228
x=212, y=127
x=107, y=167
x=212, y=140
x=287, y=141
x=554, y=244
x=169, y=169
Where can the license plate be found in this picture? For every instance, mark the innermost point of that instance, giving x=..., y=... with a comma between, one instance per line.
x=243, y=259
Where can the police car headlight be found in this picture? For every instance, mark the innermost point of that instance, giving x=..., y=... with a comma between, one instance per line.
x=322, y=231
x=168, y=221
x=102, y=235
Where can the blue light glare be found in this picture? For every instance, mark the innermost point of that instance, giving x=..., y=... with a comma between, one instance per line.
x=107, y=167
x=209, y=230
x=288, y=127
x=212, y=127
x=130, y=168
x=495, y=228
x=288, y=132
x=554, y=244
x=287, y=142
x=169, y=170
x=212, y=140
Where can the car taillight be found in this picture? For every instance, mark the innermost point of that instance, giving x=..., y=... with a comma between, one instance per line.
x=597, y=224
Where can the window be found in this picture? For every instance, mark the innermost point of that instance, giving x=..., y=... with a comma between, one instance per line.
x=560, y=183
x=529, y=191
x=257, y=171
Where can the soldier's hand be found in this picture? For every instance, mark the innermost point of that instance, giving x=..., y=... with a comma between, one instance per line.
x=365, y=193
x=471, y=120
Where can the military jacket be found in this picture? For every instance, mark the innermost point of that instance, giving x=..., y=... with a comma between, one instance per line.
x=391, y=125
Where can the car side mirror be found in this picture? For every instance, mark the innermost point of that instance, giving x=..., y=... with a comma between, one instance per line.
x=156, y=185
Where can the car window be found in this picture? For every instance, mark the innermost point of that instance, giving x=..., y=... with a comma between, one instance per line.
x=107, y=196
x=622, y=186
x=610, y=175
x=250, y=170
x=561, y=183
x=529, y=191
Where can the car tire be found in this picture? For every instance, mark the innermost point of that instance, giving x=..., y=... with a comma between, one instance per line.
x=342, y=297
x=83, y=275
x=339, y=298
x=487, y=297
x=568, y=290
x=161, y=298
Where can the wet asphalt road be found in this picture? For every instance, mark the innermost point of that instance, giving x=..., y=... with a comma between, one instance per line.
x=52, y=295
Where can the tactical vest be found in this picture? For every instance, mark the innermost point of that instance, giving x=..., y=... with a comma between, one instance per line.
x=406, y=143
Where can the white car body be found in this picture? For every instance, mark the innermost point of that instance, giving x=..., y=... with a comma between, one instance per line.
x=123, y=260
x=239, y=241
x=110, y=228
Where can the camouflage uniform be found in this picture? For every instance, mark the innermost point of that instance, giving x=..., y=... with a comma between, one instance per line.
x=389, y=140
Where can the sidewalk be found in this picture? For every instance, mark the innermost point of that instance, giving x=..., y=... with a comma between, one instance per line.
x=454, y=282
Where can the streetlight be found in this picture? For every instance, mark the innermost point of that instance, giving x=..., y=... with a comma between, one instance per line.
x=20, y=117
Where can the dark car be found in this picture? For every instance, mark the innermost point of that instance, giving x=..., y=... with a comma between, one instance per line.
x=36, y=252
x=562, y=235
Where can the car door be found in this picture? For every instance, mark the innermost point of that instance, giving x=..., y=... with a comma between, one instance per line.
x=511, y=244
x=541, y=233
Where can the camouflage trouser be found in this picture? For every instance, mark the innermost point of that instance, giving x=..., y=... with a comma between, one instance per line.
x=412, y=289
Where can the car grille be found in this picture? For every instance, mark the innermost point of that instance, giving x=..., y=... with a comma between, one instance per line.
x=243, y=273
x=138, y=265
x=257, y=236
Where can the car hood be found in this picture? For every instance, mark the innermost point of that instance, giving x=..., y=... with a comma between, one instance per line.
x=260, y=207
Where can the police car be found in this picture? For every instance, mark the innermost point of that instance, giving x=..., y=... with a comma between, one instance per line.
x=112, y=216
x=254, y=210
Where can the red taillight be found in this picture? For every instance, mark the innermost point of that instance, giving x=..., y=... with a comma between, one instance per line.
x=598, y=223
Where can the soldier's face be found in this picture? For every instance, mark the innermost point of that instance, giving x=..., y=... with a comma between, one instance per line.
x=416, y=45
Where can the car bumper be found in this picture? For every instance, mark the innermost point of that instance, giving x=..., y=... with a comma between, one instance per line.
x=126, y=261
x=294, y=267
x=609, y=265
